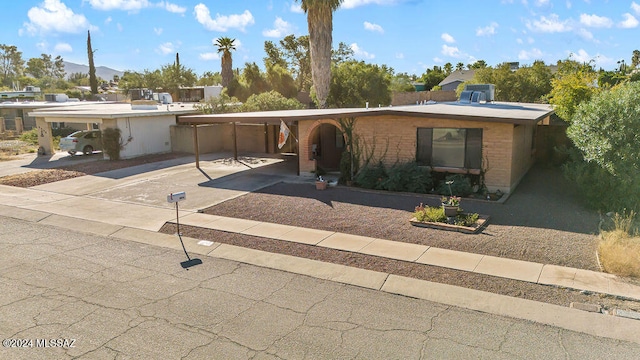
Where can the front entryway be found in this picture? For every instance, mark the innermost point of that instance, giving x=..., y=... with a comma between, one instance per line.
x=327, y=145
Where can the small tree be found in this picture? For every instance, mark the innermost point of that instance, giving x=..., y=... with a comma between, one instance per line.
x=93, y=80
x=112, y=143
x=606, y=130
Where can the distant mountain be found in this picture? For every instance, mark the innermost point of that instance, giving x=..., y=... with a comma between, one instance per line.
x=101, y=71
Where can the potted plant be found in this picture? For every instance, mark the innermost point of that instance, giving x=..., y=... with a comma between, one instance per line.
x=321, y=183
x=450, y=204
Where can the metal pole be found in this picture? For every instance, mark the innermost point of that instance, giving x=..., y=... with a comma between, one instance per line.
x=180, y=235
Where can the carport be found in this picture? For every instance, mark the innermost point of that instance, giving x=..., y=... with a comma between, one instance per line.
x=267, y=118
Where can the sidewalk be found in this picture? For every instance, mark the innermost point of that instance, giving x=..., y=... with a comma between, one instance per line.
x=36, y=205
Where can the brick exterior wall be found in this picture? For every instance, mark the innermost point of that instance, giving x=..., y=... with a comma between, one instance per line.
x=506, y=148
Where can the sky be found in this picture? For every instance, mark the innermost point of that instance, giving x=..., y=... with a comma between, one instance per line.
x=408, y=35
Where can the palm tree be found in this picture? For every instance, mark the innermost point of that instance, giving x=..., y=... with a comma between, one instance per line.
x=225, y=46
x=320, y=22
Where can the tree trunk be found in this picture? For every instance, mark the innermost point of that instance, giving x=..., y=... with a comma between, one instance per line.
x=320, y=21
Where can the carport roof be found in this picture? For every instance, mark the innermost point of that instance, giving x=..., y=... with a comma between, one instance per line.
x=110, y=111
x=514, y=113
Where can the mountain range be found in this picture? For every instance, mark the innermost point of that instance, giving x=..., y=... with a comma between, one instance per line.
x=101, y=71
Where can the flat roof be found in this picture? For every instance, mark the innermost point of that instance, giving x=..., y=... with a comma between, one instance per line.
x=514, y=113
x=104, y=110
x=45, y=104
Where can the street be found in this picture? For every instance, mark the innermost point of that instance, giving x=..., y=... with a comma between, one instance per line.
x=67, y=294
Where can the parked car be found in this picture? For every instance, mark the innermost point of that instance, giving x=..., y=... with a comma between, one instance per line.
x=86, y=141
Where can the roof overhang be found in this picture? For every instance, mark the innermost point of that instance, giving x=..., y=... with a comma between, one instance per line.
x=511, y=113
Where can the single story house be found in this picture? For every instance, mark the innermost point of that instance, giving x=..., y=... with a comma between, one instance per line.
x=144, y=129
x=457, y=77
x=495, y=139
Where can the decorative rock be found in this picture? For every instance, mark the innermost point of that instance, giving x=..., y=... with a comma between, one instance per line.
x=627, y=314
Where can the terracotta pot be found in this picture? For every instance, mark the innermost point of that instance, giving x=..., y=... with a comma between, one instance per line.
x=321, y=185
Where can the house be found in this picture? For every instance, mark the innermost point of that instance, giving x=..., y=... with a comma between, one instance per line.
x=495, y=140
x=14, y=115
x=457, y=77
x=144, y=129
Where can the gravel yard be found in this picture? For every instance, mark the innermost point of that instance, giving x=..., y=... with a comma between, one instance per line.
x=541, y=222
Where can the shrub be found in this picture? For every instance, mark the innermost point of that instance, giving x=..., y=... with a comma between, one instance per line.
x=467, y=219
x=619, y=248
x=30, y=137
x=430, y=214
x=112, y=143
x=372, y=177
x=461, y=186
x=408, y=177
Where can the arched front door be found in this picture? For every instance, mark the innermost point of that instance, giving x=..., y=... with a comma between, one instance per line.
x=327, y=145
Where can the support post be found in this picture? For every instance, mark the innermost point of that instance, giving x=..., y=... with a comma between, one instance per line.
x=196, y=148
x=235, y=142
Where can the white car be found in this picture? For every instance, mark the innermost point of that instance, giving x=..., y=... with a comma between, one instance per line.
x=86, y=141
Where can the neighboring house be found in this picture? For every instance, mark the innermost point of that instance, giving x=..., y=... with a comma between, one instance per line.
x=15, y=115
x=143, y=131
x=451, y=82
x=497, y=140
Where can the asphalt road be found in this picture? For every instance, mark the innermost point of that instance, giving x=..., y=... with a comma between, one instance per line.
x=66, y=294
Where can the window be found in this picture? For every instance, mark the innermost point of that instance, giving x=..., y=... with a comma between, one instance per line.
x=448, y=147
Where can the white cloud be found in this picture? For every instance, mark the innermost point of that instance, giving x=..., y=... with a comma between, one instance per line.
x=128, y=5
x=361, y=53
x=62, y=48
x=172, y=8
x=108, y=20
x=585, y=34
x=438, y=60
x=373, y=27
x=595, y=21
x=158, y=31
x=552, y=24
x=635, y=7
x=167, y=48
x=519, y=41
x=399, y=56
x=350, y=4
x=135, y=5
x=533, y=54
x=540, y=3
x=447, y=38
x=581, y=56
x=296, y=8
x=451, y=51
x=222, y=22
x=42, y=46
x=280, y=29
x=629, y=21
x=119, y=26
x=487, y=30
x=55, y=16
x=209, y=56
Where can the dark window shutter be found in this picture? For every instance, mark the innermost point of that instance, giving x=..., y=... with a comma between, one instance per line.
x=473, y=152
x=423, y=146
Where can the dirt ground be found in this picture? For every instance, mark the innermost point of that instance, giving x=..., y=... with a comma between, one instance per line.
x=45, y=176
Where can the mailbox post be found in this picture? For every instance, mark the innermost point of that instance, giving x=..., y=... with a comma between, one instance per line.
x=176, y=198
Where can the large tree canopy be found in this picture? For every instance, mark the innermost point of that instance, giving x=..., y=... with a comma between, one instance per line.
x=354, y=83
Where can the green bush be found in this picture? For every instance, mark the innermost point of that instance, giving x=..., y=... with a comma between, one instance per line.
x=430, y=214
x=372, y=177
x=461, y=186
x=112, y=143
x=467, y=219
x=30, y=137
x=408, y=177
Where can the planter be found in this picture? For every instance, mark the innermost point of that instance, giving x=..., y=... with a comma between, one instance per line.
x=481, y=224
x=450, y=210
x=321, y=185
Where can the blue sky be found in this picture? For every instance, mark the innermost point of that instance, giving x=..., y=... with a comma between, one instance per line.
x=407, y=35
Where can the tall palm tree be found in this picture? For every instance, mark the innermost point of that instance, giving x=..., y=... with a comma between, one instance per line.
x=320, y=22
x=225, y=46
